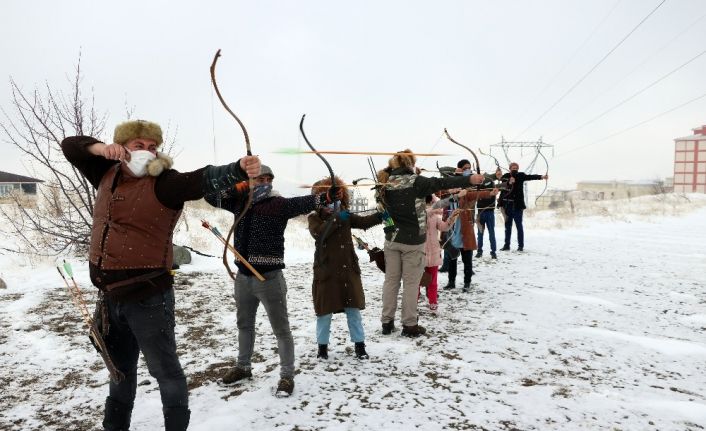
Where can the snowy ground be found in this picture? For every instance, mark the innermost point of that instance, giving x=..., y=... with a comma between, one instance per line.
x=600, y=324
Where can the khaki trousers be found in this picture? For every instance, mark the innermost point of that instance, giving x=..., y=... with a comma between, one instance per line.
x=403, y=263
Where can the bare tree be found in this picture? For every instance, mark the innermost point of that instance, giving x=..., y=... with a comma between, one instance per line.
x=36, y=123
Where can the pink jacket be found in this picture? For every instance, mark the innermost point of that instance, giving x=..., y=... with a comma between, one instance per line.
x=434, y=226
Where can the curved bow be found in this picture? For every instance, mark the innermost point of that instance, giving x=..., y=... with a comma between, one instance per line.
x=546, y=181
x=463, y=146
x=249, y=153
x=323, y=159
x=329, y=222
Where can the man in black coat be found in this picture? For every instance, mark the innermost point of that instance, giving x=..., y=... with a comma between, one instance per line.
x=512, y=202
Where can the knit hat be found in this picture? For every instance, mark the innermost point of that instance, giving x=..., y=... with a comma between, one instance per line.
x=134, y=129
x=265, y=170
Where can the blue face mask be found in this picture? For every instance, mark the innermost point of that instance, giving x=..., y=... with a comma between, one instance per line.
x=260, y=192
x=467, y=173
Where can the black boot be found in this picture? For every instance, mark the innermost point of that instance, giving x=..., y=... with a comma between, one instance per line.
x=451, y=285
x=360, y=352
x=506, y=247
x=388, y=327
x=466, y=287
x=413, y=331
x=323, y=351
x=176, y=418
x=117, y=415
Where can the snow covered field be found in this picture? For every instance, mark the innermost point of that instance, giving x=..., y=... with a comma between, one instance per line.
x=599, y=324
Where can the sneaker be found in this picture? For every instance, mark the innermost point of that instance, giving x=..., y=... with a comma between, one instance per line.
x=506, y=247
x=236, y=374
x=466, y=287
x=285, y=387
x=479, y=254
x=450, y=285
x=413, y=331
x=493, y=255
x=323, y=351
x=520, y=248
x=388, y=327
x=360, y=352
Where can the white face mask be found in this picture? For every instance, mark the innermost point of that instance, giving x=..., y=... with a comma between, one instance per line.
x=138, y=162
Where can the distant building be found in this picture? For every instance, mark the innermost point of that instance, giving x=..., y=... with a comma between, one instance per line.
x=10, y=183
x=690, y=162
x=602, y=190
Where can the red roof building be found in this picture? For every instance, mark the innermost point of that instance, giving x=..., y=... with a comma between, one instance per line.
x=690, y=162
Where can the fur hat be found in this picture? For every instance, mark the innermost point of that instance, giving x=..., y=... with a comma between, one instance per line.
x=323, y=185
x=402, y=160
x=129, y=130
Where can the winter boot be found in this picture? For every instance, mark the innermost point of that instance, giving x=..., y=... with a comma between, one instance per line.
x=493, y=255
x=360, y=352
x=450, y=285
x=466, y=287
x=236, y=374
x=117, y=415
x=413, y=331
x=323, y=351
x=479, y=254
x=176, y=418
x=388, y=327
x=285, y=387
x=506, y=247
x=520, y=248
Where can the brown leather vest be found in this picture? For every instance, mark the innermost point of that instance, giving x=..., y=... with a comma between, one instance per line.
x=131, y=228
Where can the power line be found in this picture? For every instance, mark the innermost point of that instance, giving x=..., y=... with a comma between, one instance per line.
x=635, y=69
x=573, y=87
x=629, y=98
x=571, y=58
x=635, y=125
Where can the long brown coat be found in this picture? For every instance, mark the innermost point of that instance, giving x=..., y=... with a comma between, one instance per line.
x=337, y=282
x=468, y=204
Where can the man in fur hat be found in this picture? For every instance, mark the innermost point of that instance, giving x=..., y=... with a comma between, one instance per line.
x=138, y=202
x=402, y=201
x=259, y=238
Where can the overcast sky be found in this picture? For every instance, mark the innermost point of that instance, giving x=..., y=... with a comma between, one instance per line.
x=379, y=75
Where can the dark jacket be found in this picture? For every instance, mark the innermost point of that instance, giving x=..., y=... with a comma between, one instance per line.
x=487, y=204
x=171, y=189
x=259, y=236
x=404, y=199
x=516, y=192
x=337, y=282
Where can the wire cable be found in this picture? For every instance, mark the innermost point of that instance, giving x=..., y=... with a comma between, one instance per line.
x=612, y=135
x=624, y=101
x=587, y=74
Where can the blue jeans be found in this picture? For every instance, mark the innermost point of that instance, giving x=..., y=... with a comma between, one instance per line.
x=249, y=293
x=355, y=326
x=515, y=215
x=487, y=221
x=147, y=326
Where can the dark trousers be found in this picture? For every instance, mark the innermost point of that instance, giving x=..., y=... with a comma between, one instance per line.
x=486, y=223
x=467, y=258
x=513, y=215
x=147, y=326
